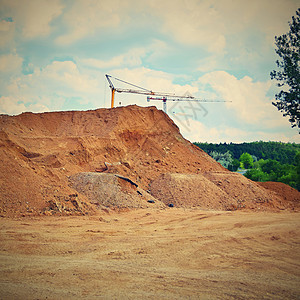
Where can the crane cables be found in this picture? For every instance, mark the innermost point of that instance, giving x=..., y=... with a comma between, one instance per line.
x=139, y=87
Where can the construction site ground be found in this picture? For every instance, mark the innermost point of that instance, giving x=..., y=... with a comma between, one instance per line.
x=171, y=253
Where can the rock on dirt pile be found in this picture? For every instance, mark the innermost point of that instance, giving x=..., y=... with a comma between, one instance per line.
x=111, y=190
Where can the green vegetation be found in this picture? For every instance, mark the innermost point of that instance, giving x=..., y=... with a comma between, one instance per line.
x=288, y=75
x=272, y=170
x=246, y=161
x=282, y=152
x=225, y=159
x=264, y=161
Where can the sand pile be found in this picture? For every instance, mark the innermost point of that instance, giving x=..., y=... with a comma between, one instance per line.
x=189, y=190
x=39, y=152
x=290, y=198
x=243, y=192
x=214, y=190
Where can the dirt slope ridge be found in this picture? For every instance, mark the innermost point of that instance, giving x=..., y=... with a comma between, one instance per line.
x=39, y=152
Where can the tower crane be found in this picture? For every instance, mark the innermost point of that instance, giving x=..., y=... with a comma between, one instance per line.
x=161, y=96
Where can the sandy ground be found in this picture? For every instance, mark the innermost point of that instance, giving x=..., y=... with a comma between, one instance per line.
x=152, y=254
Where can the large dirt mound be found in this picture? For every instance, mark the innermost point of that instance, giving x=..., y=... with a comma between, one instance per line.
x=39, y=152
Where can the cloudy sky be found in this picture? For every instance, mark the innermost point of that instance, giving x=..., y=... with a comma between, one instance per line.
x=54, y=55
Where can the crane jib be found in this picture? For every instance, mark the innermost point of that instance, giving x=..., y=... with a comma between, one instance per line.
x=164, y=97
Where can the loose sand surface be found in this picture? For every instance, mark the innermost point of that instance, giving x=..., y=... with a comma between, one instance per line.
x=173, y=253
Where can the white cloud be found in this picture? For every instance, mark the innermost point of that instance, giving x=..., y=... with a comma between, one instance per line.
x=66, y=74
x=5, y=26
x=13, y=106
x=6, y=33
x=199, y=132
x=38, y=16
x=249, y=99
x=192, y=22
x=86, y=17
x=133, y=58
x=130, y=59
x=51, y=87
x=209, y=64
x=10, y=63
x=222, y=26
x=32, y=16
x=116, y=61
x=206, y=23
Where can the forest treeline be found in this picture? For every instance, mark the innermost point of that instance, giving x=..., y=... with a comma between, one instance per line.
x=282, y=152
x=264, y=161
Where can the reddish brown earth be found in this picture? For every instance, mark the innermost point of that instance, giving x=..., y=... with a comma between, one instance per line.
x=39, y=153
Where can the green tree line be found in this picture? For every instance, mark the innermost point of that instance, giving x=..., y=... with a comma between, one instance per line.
x=282, y=152
x=264, y=161
x=272, y=170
